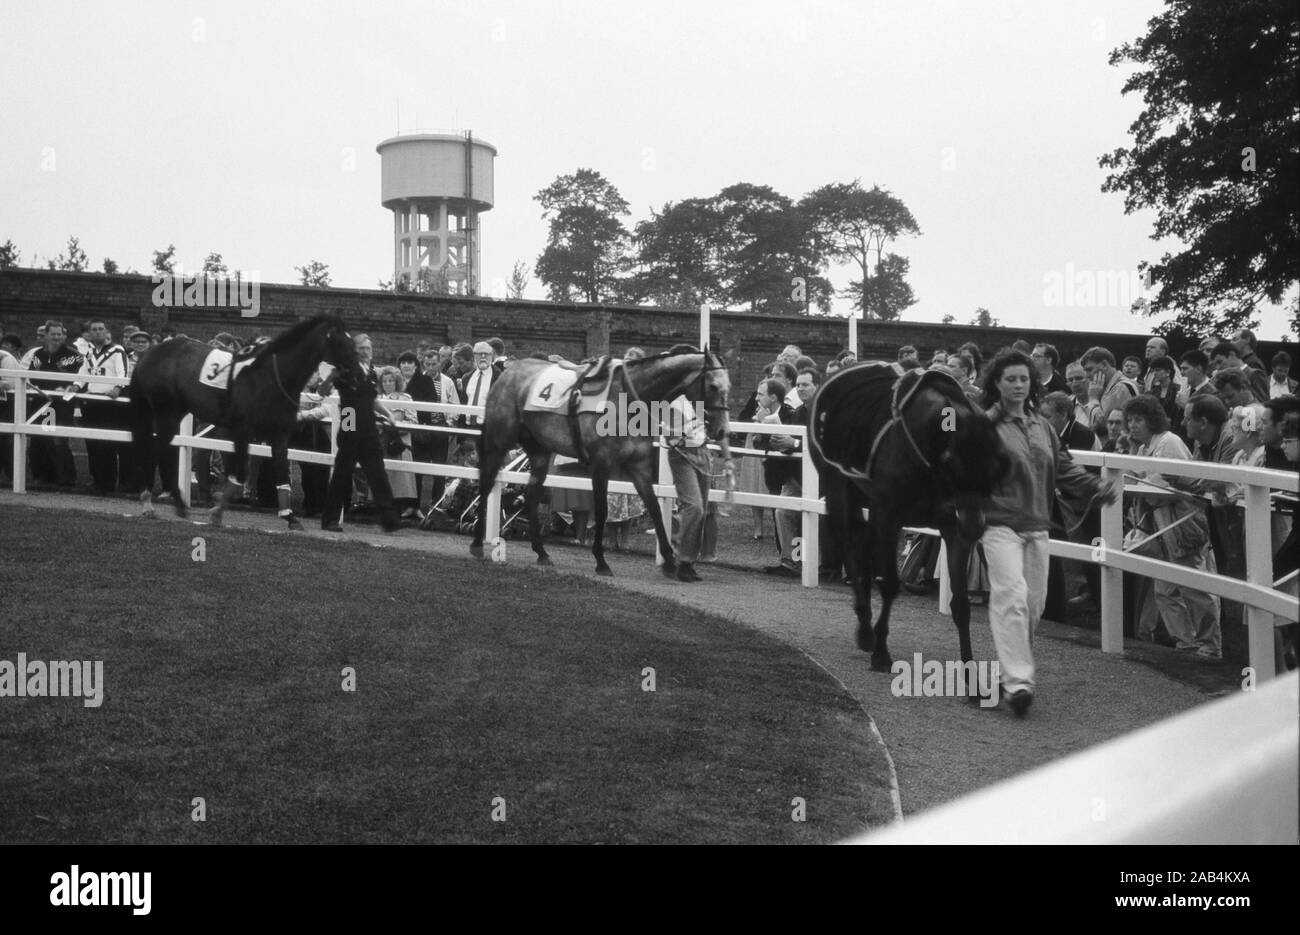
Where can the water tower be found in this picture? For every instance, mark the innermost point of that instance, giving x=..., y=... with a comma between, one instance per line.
x=437, y=185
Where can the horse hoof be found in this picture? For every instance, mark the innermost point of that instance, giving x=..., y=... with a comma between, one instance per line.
x=544, y=560
x=214, y=518
x=181, y=511
x=476, y=551
x=604, y=571
x=881, y=662
x=866, y=640
x=669, y=569
x=294, y=524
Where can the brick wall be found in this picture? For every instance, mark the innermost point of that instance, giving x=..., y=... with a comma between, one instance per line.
x=397, y=322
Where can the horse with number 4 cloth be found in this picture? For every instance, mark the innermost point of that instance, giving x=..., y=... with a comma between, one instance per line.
x=550, y=408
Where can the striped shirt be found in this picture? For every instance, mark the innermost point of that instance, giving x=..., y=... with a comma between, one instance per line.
x=106, y=361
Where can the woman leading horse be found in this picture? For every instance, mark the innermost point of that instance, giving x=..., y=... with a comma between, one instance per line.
x=908, y=450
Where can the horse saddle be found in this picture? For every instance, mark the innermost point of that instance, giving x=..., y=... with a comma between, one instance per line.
x=566, y=388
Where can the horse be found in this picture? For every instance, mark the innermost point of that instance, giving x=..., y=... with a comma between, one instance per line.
x=681, y=371
x=184, y=375
x=911, y=451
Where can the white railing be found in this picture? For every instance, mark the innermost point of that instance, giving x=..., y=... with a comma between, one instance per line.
x=1267, y=606
x=1222, y=773
x=24, y=425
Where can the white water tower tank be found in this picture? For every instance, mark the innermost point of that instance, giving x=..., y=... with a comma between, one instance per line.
x=437, y=185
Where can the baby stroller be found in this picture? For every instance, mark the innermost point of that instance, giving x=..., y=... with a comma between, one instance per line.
x=460, y=502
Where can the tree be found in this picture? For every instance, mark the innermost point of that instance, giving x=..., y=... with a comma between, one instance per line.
x=586, y=243
x=949, y=318
x=1216, y=154
x=164, y=261
x=985, y=319
x=848, y=223
x=315, y=274
x=9, y=255
x=678, y=254
x=767, y=243
x=518, y=280
x=109, y=266
x=214, y=266
x=887, y=293
x=75, y=260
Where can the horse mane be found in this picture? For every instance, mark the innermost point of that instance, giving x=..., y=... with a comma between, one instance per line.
x=673, y=351
x=296, y=332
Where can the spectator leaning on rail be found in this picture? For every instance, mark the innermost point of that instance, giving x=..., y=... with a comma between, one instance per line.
x=1019, y=515
x=1182, y=535
x=104, y=359
x=52, y=461
x=1108, y=386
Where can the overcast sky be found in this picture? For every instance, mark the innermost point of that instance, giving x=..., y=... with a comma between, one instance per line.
x=250, y=129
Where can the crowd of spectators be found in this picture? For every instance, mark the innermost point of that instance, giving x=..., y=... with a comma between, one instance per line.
x=1217, y=403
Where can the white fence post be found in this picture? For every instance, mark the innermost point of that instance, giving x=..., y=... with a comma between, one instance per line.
x=20, y=440
x=185, y=458
x=1259, y=570
x=1112, y=578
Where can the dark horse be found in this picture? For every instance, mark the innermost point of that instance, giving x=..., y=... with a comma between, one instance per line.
x=912, y=451
x=261, y=405
x=681, y=371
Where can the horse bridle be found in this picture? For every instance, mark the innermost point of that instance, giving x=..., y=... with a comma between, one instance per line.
x=279, y=383
x=897, y=418
x=704, y=371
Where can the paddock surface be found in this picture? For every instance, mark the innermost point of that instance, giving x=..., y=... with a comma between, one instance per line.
x=941, y=748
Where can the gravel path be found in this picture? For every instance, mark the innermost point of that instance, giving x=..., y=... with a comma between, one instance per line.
x=941, y=748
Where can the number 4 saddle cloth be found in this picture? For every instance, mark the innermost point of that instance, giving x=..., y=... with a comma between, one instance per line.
x=555, y=387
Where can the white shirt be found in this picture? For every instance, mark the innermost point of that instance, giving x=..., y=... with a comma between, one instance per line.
x=1276, y=389
x=685, y=428
x=106, y=361
x=476, y=391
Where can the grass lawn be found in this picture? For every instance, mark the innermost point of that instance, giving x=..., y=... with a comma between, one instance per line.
x=223, y=680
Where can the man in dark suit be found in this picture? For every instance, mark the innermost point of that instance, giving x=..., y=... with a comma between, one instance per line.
x=359, y=442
